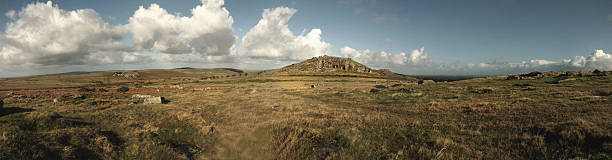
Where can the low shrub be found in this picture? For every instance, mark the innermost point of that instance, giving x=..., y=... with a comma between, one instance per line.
x=123, y=89
x=380, y=86
x=85, y=89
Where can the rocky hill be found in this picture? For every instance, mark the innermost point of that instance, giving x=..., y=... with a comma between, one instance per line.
x=329, y=65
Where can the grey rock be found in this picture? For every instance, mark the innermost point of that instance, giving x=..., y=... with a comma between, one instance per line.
x=154, y=100
x=426, y=82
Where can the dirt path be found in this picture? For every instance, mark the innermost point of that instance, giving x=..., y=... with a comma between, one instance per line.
x=247, y=111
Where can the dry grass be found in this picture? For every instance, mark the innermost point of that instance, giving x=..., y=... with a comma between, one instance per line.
x=282, y=117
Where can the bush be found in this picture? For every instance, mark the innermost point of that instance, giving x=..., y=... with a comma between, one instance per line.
x=123, y=89
x=482, y=90
x=604, y=93
x=380, y=86
x=373, y=90
x=522, y=85
x=85, y=89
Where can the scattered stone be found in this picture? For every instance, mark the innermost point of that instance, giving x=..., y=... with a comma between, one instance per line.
x=426, y=82
x=20, y=96
x=253, y=91
x=78, y=96
x=313, y=86
x=56, y=100
x=275, y=107
x=176, y=86
x=396, y=85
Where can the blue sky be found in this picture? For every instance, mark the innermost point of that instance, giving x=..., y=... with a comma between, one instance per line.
x=465, y=32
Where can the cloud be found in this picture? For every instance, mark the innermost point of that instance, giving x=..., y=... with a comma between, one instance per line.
x=272, y=39
x=42, y=34
x=598, y=60
x=207, y=33
x=382, y=59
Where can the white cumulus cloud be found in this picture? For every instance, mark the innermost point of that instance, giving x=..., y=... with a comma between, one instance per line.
x=381, y=59
x=271, y=38
x=42, y=34
x=208, y=32
x=598, y=60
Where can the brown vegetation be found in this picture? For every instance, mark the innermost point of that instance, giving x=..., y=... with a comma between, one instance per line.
x=280, y=116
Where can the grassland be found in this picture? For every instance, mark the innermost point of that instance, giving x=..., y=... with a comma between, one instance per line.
x=284, y=117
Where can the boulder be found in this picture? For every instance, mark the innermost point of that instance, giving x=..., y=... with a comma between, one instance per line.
x=426, y=82
x=176, y=86
x=149, y=99
x=154, y=100
x=142, y=96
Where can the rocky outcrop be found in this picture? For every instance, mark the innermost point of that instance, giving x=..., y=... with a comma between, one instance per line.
x=126, y=74
x=329, y=64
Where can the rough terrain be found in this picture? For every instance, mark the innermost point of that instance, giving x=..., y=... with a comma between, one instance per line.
x=348, y=113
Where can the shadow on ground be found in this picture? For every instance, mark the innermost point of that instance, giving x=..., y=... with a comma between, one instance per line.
x=13, y=110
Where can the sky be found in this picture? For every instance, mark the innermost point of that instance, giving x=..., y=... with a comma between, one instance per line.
x=414, y=37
